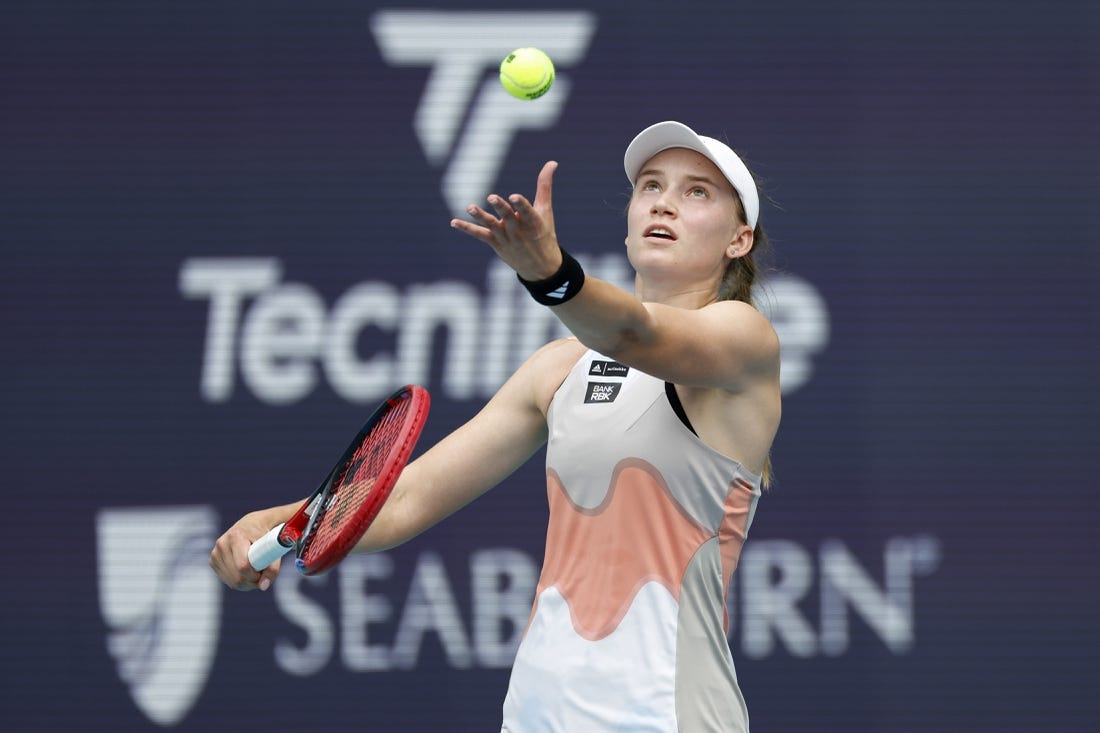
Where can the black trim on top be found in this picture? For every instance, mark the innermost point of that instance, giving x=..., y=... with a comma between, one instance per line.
x=678, y=407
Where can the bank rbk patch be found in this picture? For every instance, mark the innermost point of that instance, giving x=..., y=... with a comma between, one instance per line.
x=602, y=392
x=600, y=368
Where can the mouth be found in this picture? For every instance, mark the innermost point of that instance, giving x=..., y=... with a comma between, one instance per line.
x=657, y=231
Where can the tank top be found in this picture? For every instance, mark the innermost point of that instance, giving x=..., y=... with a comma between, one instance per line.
x=628, y=629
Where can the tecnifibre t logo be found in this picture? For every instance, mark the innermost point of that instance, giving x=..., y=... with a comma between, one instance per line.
x=161, y=603
x=460, y=47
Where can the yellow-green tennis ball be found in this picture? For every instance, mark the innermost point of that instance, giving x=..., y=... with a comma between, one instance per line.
x=527, y=73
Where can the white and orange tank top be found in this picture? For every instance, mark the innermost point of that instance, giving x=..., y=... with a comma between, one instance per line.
x=628, y=628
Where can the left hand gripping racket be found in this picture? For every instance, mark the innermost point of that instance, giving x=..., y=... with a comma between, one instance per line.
x=329, y=524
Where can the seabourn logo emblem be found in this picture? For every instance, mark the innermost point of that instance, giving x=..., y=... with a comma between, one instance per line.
x=161, y=603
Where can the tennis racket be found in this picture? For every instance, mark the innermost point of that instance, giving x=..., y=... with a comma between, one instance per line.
x=329, y=523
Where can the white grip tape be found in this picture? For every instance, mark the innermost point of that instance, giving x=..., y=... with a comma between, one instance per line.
x=267, y=549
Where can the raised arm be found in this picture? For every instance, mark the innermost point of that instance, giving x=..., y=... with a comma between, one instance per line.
x=724, y=344
x=721, y=345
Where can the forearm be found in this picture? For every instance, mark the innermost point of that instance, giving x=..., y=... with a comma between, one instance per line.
x=606, y=318
x=273, y=516
x=447, y=478
x=461, y=467
x=714, y=345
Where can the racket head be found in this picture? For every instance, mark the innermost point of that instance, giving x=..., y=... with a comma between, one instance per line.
x=362, y=480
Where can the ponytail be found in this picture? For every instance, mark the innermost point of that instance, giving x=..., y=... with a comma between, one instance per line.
x=737, y=284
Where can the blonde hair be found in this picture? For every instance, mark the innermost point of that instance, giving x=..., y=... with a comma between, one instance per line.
x=737, y=284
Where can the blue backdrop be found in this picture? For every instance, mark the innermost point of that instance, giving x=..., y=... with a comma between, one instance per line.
x=225, y=229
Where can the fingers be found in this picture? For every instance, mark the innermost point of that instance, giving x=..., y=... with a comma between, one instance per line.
x=514, y=217
x=503, y=208
x=522, y=207
x=229, y=560
x=515, y=213
x=544, y=189
x=468, y=228
x=249, y=579
x=493, y=227
x=478, y=232
x=267, y=577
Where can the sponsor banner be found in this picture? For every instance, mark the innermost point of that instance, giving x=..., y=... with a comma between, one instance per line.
x=227, y=237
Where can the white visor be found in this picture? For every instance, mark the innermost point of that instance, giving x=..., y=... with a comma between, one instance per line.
x=665, y=135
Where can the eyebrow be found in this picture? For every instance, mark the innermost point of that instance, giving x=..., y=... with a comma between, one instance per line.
x=691, y=178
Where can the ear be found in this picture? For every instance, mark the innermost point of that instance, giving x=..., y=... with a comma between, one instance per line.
x=741, y=244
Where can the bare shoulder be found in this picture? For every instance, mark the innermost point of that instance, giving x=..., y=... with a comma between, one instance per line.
x=744, y=315
x=549, y=366
x=739, y=417
x=743, y=324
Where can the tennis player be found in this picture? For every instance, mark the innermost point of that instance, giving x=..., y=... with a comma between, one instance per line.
x=658, y=419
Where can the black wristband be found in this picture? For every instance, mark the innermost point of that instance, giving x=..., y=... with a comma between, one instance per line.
x=559, y=287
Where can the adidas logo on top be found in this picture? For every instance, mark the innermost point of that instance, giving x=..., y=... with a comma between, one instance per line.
x=607, y=369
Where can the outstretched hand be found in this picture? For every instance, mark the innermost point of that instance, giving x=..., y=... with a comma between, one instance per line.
x=521, y=233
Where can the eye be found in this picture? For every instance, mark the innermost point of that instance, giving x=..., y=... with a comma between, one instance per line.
x=698, y=192
x=650, y=186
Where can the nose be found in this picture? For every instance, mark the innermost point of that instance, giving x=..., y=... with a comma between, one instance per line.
x=663, y=205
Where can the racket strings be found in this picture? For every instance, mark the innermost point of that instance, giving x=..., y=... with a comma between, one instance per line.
x=352, y=489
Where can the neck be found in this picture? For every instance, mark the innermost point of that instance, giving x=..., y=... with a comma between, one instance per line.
x=690, y=296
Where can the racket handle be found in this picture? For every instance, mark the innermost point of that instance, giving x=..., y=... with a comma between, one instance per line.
x=267, y=549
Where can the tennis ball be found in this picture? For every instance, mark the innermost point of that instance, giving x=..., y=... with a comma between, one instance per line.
x=527, y=73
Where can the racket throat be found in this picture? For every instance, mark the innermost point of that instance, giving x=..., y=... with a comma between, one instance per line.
x=312, y=508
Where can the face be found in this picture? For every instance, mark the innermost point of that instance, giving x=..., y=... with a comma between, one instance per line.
x=683, y=224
